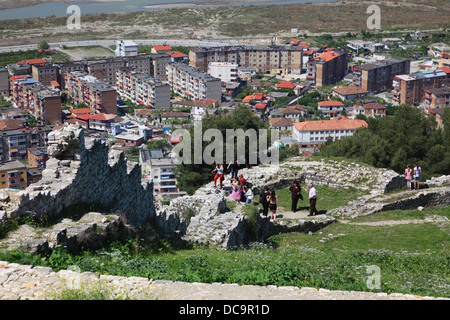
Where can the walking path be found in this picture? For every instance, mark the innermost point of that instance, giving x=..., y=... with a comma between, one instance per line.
x=22, y=282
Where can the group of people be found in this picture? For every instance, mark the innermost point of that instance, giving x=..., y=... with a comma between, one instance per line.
x=269, y=200
x=412, y=174
x=233, y=165
x=242, y=192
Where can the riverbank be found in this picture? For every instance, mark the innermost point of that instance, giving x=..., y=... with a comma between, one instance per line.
x=218, y=22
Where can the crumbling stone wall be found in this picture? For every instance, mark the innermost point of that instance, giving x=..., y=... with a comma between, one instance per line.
x=82, y=171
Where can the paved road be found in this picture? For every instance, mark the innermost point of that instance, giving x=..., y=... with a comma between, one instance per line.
x=187, y=43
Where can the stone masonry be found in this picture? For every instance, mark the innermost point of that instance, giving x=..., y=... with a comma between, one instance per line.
x=80, y=172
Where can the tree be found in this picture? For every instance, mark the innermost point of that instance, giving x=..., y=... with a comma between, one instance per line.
x=191, y=176
x=408, y=136
x=44, y=45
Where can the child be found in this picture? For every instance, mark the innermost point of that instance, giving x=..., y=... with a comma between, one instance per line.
x=408, y=172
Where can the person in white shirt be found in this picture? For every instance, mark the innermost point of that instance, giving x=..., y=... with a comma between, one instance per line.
x=248, y=194
x=312, y=200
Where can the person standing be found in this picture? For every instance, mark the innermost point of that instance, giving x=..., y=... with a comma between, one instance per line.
x=219, y=174
x=273, y=200
x=417, y=171
x=408, y=176
x=263, y=200
x=295, y=195
x=234, y=165
x=312, y=200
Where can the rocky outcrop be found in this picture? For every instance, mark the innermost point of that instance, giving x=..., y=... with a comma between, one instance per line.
x=405, y=200
x=81, y=174
x=82, y=171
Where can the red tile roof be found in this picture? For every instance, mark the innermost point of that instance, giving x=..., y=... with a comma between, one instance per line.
x=349, y=90
x=81, y=111
x=445, y=69
x=327, y=56
x=255, y=96
x=337, y=123
x=103, y=116
x=32, y=61
x=373, y=105
x=176, y=54
x=285, y=84
x=162, y=48
x=330, y=103
x=261, y=105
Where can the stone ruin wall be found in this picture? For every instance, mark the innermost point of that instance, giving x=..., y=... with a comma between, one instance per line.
x=81, y=171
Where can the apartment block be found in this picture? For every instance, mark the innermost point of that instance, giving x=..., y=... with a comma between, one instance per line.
x=268, y=59
x=377, y=76
x=142, y=88
x=13, y=174
x=314, y=133
x=437, y=98
x=161, y=171
x=191, y=83
x=410, y=88
x=44, y=103
x=158, y=63
x=126, y=48
x=225, y=71
x=97, y=95
x=4, y=82
x=327, y=68
x=15, y=142
x=45, y=73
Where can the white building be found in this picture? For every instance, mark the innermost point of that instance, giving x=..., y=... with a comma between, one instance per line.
x=311, y=133
x=126, y=48
x=225, y=71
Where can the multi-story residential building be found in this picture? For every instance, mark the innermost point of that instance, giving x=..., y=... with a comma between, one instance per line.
x=142, y=88
x=45, y=73
x=23, y=67
x=377, y=76
x=126, y=48
x=4, y=82
x=437, y=98
x=327, y=68
x=64, y=67
x=268, y=59
x=44, y=103
x=314, y=133
x=374, y=109
x=158, y=63
x=97, y=95
x=225, y=71
x=105, y=69
x=349, y=92
x=410, y=88
x=161, y=49
x=331, y=108
x=37, y=157
x=161, y=171
x=14, y=143
x=13, y=174
x=193, y=84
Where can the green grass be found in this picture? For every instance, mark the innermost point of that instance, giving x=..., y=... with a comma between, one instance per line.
x=327, y=198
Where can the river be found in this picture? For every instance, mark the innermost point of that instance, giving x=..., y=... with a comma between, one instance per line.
x=91, y=7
